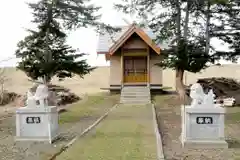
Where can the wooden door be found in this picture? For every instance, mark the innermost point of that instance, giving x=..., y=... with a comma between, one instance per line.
x=135, y=69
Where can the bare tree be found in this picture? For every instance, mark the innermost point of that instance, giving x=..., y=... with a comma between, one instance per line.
x=3, y=79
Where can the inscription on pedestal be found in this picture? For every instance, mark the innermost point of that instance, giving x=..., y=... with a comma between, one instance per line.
x=30, y=120
x=204, y=120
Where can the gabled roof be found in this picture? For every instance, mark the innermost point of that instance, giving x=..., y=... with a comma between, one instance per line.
x=134, y=29
x=109, y=43
x=106, y=40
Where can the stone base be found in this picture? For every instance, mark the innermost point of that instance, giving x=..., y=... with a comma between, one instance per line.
x=36, y=139
x=197, y=144
x=37, y=124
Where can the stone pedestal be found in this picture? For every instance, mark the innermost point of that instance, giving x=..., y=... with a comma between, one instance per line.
x=203, y=127
x=37, y=123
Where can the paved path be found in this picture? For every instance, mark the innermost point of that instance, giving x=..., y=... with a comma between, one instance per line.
x=127, y=133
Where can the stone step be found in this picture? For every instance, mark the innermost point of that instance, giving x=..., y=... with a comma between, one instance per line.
x=135, y=92
x=135, y=89
x=132, y=91
x=136, y=95
x=140, y=92
x=135, y=102
x=142, y=100
x=139, y=100
x=141, y=96
x=124, y=99
x=132, y=96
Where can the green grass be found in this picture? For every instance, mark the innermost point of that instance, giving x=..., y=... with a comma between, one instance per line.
x=232, y=114
x=233, y=117
x=126, y=134
x=88, y=107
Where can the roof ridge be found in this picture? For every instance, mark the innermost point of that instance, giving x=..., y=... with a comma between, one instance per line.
x=105, y=41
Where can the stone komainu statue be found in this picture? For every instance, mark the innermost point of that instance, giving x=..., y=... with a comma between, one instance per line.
x=199, y=98
x=42, y=97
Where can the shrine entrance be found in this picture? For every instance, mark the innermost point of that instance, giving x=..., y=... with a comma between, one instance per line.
x=135, y=69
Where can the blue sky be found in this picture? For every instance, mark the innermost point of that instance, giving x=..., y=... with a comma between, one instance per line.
x=16, y=16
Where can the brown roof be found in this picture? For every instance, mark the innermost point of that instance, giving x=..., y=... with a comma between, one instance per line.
x=128, y=33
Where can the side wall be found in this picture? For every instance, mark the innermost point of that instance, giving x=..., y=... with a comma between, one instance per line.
x=155, y=71
x=115, y=70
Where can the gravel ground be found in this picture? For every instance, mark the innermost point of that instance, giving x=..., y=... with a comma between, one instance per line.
x=11, y=150
x=169, y=118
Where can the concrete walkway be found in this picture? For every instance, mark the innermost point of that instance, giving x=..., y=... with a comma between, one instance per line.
x=127, y=133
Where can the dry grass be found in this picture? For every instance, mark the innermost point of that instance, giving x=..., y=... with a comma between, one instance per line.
x=100, y=78
x=18, y=81
x=169, y=118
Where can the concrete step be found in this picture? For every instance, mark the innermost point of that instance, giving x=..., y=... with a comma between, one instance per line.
x=135, y=99
x=135, y=102
x=140, y=94
x=132, y=88
x=130, y=100
x=132, y=96
x=135, y=89
x=132, y=91
x=140, y=100
x=135, y=95
x=136, y=92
